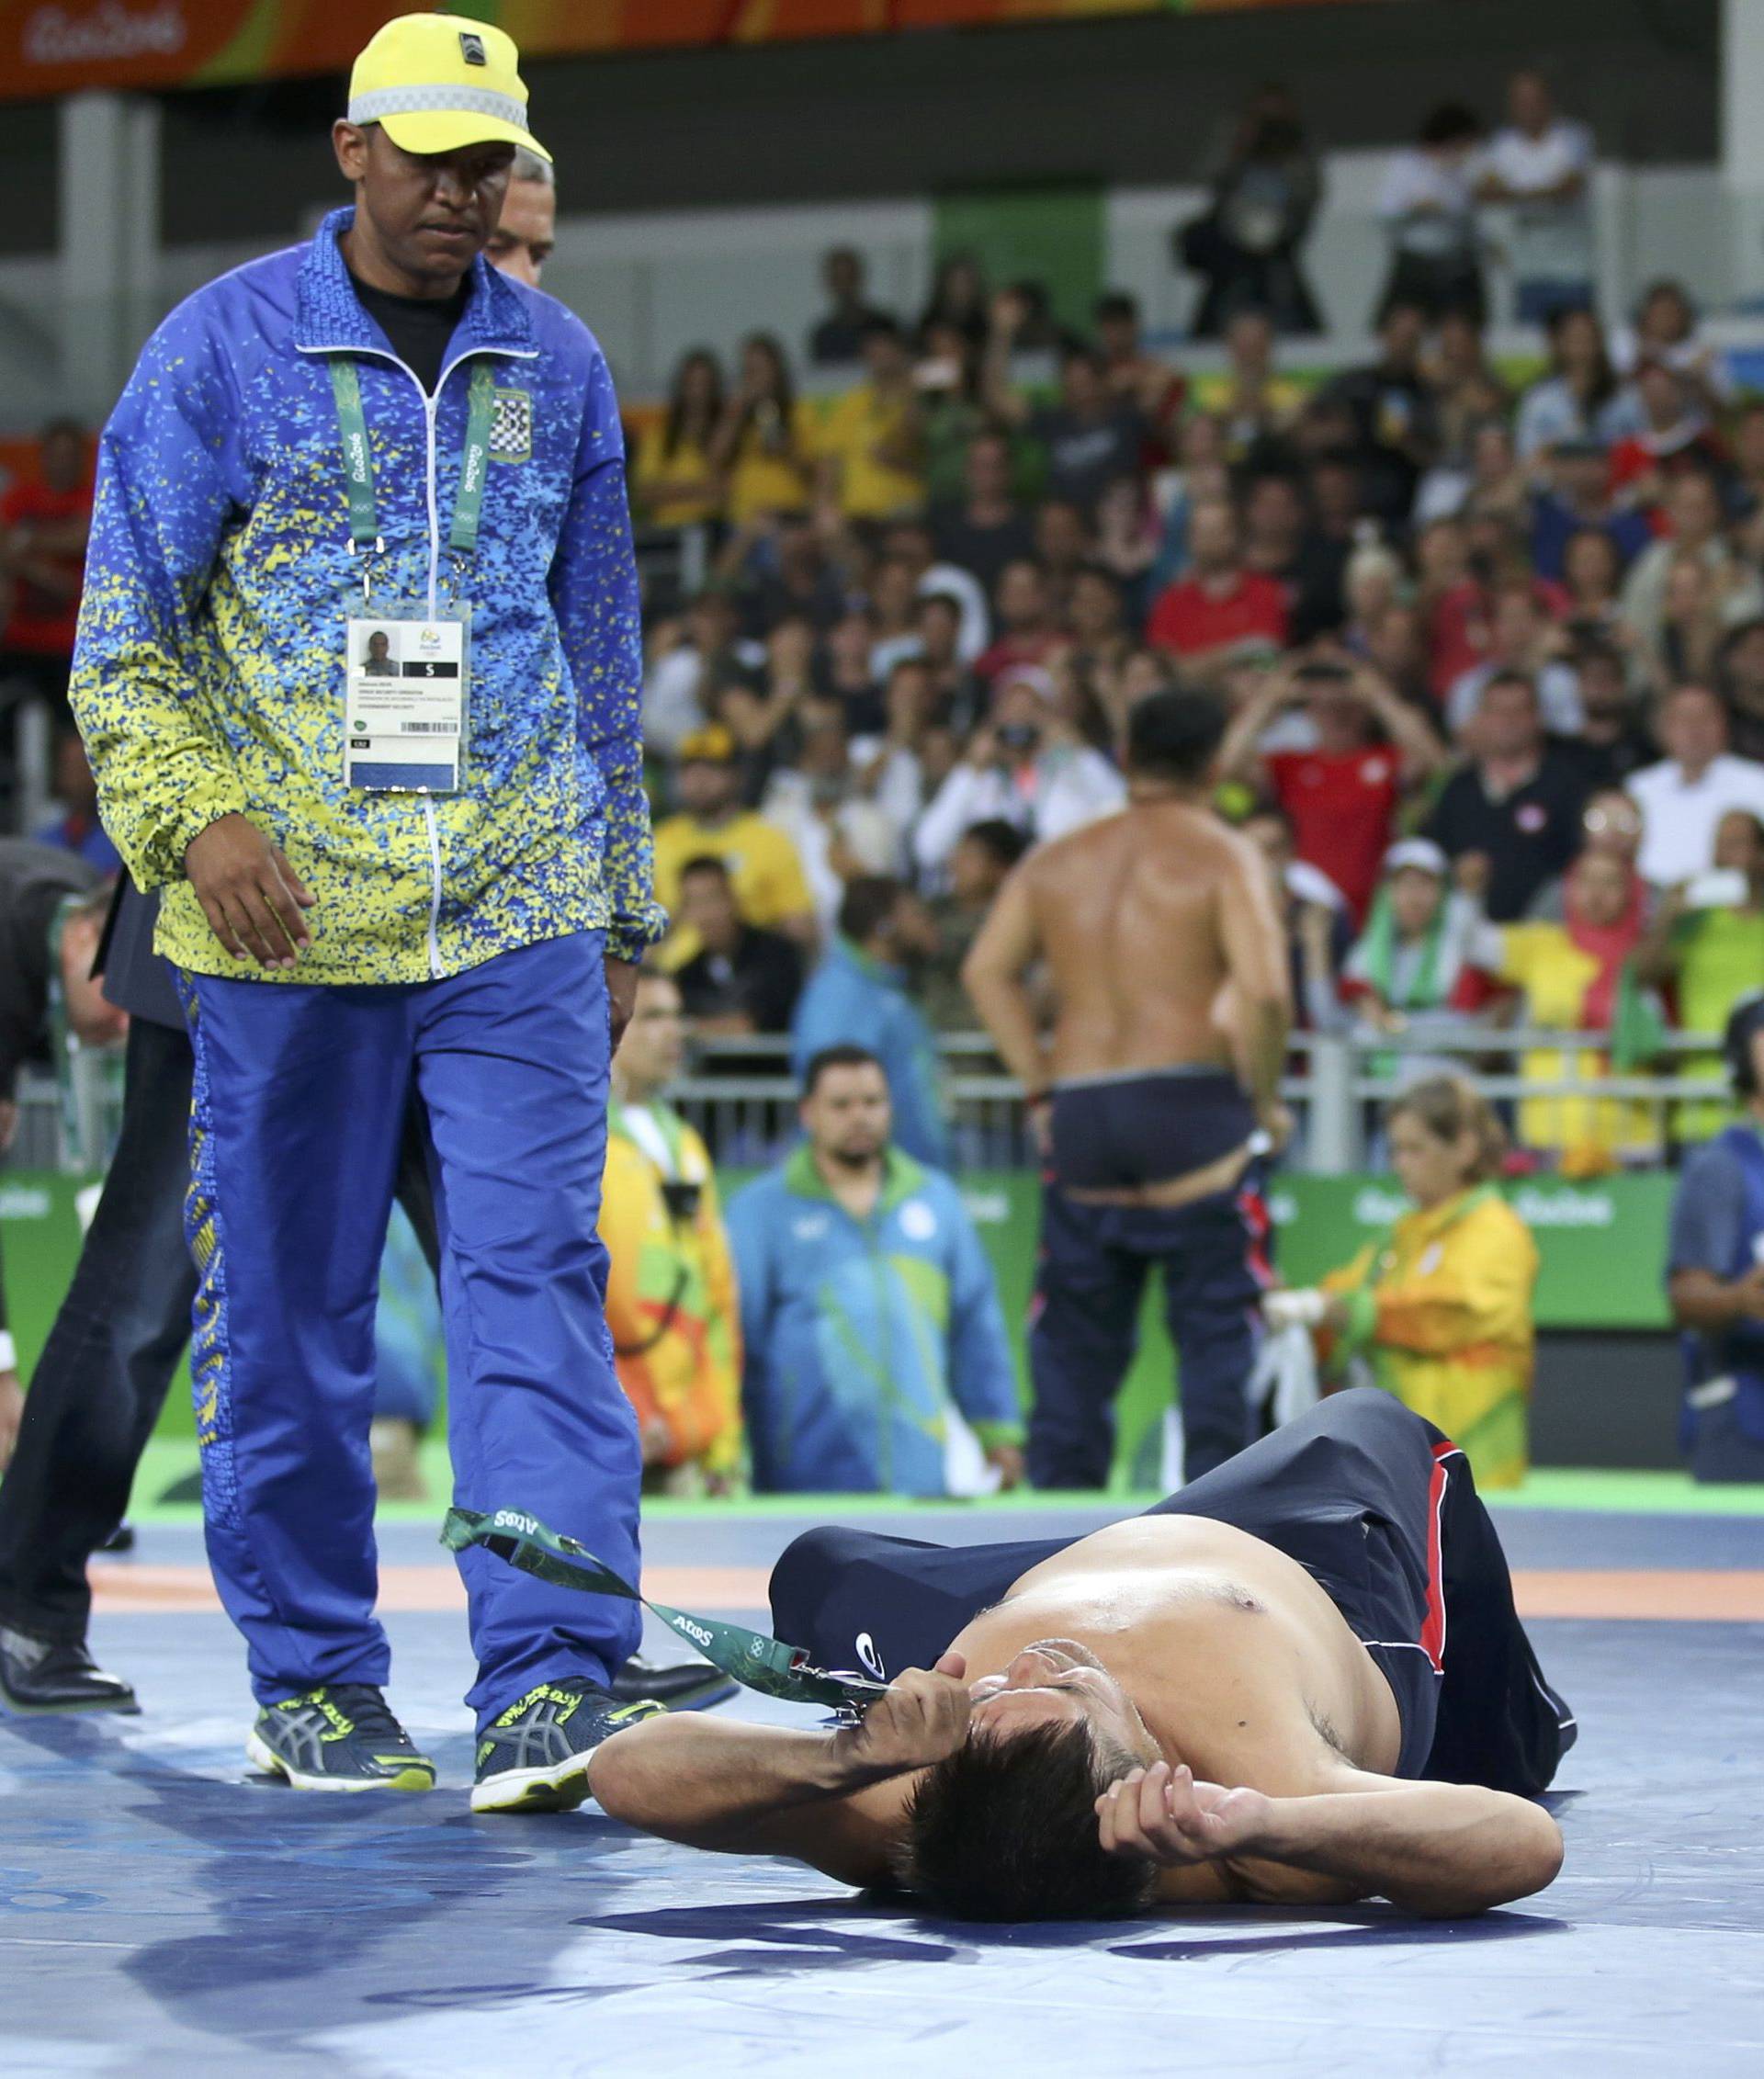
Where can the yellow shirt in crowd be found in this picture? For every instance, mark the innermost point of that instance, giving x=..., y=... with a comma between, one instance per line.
x=862, y=422
x=1721, y=958
x=1216, y=396
x=1442, y=1306
x=764, y=870
x=1555, y=975
x=660, y=477
x=773, y=467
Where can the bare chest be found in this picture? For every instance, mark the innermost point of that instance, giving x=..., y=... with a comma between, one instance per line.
x=1193, y=1618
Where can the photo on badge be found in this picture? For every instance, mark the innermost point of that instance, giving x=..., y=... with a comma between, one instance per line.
x=378, y=660
x=404, y=698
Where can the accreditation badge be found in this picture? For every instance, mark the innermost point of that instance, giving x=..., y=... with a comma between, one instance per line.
x=405, y=704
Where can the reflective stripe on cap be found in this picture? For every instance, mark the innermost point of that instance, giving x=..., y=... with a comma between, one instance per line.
x=437, y=100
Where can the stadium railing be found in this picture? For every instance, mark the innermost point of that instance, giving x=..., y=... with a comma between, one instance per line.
x=740, y=1095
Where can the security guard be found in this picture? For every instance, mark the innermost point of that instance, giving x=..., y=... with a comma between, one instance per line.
x=435, y=879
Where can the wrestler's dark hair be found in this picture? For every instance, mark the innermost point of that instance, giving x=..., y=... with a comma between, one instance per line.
x=1175, y=735
x=1006, y=1829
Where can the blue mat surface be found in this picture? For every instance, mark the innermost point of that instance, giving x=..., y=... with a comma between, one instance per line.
x=158, y=1914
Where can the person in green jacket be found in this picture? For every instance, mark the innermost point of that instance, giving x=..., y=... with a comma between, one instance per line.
x=875, y=1354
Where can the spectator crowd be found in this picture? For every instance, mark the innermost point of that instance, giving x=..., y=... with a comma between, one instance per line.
x=1489, y=638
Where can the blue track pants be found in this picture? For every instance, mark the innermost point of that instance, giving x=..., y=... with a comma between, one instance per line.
x=299, y=1105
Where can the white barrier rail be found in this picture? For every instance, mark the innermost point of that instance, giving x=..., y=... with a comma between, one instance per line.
x=740, y=1095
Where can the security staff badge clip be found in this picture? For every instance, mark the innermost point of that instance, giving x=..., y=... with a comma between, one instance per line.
x=405, y=695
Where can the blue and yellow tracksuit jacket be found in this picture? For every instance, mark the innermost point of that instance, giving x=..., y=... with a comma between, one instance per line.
x=859, y=1335
x=209, y=672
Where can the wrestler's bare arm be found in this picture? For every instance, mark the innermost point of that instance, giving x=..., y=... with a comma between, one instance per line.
x=1438, y=1849
x=741, y=1790
x=992, y=975
x=1255, y=958
x=832, y=1799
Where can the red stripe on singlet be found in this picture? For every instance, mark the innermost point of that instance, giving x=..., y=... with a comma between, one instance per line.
x=1253, y=1209
x=1433, y=1629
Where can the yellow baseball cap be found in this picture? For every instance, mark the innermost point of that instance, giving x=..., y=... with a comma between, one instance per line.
x=437, y=83
x=711, y=745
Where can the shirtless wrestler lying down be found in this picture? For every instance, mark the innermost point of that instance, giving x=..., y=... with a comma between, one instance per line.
x=1301, y=1680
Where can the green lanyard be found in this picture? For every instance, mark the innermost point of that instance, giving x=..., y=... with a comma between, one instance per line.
x=358, y=462
x=751, y=1658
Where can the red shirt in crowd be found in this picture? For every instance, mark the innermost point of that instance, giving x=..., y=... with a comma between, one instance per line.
x=1457, y=628
x=1343, y=805
x=42, y=622
x=1010, y=653
x=1642, y=455
x=1191, y=619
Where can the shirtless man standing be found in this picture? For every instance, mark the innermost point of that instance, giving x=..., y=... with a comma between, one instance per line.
x=1168, y=967
x=1301, y=1680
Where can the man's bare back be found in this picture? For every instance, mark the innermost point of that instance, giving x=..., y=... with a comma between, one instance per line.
x=1159, y=936
x=1130, y=915
x=1150, y=1094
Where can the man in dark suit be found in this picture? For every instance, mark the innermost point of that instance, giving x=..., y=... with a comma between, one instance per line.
x=101, y=1381
x=51, y=903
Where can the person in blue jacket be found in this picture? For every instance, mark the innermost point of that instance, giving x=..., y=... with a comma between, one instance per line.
x=434, y=882
x=1715, y=1273
x=876, y=1355
x=858, y=996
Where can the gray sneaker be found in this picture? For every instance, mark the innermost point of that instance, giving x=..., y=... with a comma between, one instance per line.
x=342, y=1738
x=534, y=1757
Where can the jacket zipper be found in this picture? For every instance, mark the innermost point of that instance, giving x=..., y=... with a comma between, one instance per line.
x=431, y=407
